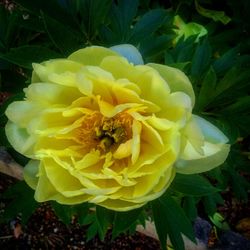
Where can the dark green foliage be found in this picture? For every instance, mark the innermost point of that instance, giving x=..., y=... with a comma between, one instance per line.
x=170, y=220
x=26, y=55
x=192, y=185
x=67, y=212
x=124, y=220
x=25, y=206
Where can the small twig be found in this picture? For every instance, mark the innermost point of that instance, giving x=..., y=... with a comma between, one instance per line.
x=6, y=237
x=8, y=166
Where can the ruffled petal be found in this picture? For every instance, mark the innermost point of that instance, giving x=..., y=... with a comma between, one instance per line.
x=20, y=140
x=30, y=173
x=42, y=72
x=91, y=55
x=210, y=132
x=198, y=157
x=176, y=79
x=47, y=94
x=45, y=191
x=153, y=87
x=22, y=112
x=214, y=155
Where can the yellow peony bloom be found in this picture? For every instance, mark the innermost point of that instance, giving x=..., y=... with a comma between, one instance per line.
x=101, y=129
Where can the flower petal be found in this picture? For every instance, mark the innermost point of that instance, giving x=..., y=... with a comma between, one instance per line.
x=153, y=87
x=120, y=205
x=130, y=52
x=43, y=71
x=21, y=112
x=214, y=150
x=215, y=155
x=176, y=79
x=18, y=137
x=210, y=132
x=57, y=174
x=136, y=145
x=30, y=173
x=45, y=191
x=49, y=94
x=91, y=55
x=124, y=150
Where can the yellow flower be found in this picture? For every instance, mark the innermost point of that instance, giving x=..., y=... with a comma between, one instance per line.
x=100, y=129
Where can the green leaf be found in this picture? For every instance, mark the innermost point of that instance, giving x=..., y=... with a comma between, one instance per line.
x=184, y=49
x=22, y=201
x=201, y=58
x=192, y=185
x=92, y=231
x=66, y=212
x=242, y=105
x=239, y=184
x=148, y=24
x=207, y=89
x=152, y=45
x=229, y=79
x=121, y=17
x=81, y=211
x=10, y=32
x=93, y=13
x=181, y=66
x=3, y=24
x=63, y=212
x=123, y=220
x=97, y=224
x=26, y=55
x=210, y=203
x=63, y=37
x=50, y=8
x=171, y=220
x=213, y=14
x=189, y=206
x=3, y=139
x=218, y=175
x=226, y=61
x=219, y=221
x=104, y=220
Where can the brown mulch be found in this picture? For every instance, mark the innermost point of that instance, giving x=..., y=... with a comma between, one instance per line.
x=45, y=231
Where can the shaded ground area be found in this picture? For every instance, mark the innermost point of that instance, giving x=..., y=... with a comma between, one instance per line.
x=45, y=231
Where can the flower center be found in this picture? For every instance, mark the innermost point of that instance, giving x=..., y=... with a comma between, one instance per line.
x=105, y=134
x=110, y=133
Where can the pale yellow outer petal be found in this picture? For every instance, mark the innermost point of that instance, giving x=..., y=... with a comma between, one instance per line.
x=92, y=55
x=218, y=154
x=42, y=72
x=204, y=147
x=45, y=191
x=176, y=79
x=21, y=112
x=30, y=173
x=20, y=140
